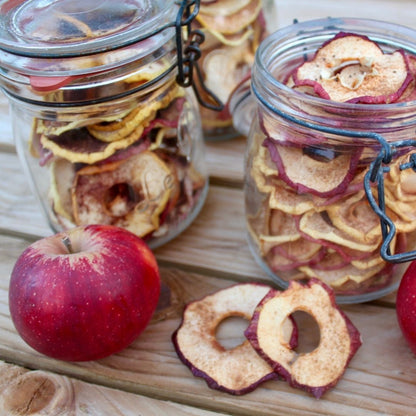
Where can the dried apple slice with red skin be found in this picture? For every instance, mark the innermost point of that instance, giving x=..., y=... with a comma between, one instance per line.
x=130, y=193
x=309, y=175
x=410, y=93
x=316, y=371
x=238, y=370
x=280, y=261
x=377, y=77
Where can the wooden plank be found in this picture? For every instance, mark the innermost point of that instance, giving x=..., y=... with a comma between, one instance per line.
x=40, y=391
x=150, y=366
x=19, y=210
x=225, y=161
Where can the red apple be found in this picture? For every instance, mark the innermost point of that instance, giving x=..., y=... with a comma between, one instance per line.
x=406, y=305
x=85, y=293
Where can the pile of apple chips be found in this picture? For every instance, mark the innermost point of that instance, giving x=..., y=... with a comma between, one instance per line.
x=233, y=30
x=131, y=170
x=315, y=220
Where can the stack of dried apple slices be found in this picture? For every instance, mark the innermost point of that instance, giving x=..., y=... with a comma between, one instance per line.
x=315, y=185
x=127, y=170
x=233, y=30
x=272, y=336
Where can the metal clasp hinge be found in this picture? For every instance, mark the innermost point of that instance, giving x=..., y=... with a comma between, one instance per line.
x=189, y=52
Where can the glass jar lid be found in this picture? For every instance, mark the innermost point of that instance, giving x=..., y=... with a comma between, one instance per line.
x=35, y=33
x=78, y=27
x=57, y=51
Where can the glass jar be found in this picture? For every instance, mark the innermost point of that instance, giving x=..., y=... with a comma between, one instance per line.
x=104, y=131
x=330, y=186
x=232, y=31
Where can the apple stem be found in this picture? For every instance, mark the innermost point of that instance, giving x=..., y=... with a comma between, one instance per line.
x=67, y=243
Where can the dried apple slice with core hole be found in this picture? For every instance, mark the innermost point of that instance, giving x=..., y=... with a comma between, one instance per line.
x=238, y=370
x=352, y=68
x=130, y=193
x=320, y=369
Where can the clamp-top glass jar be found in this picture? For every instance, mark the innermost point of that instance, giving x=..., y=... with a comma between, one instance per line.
x=103, y=129
x=323, y=175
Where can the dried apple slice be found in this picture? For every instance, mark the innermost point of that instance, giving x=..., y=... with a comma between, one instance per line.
x=321, y=369
x=62, y=178
x=121, y=128
x=338, y=277
x=405, y=210
x=306, y=173
x=282, y=228
x=79, y=146
x=130, y=193
x=318, y=226
x=214, y=39
x=355, y=217
x=353, y=68
x=410, y=93
x=231, y=23
x=238, y=370
x=225, y=67
x=293, y=254
x=402, y=183
x=286, y=199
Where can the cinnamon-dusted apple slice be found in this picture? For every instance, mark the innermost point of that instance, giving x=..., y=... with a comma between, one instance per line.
x=238, y=370
x=308, y=173
x=320, y=369
x=353, y=68
x=130, y=193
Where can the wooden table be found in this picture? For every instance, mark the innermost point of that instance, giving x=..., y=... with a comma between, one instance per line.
x=148, y=378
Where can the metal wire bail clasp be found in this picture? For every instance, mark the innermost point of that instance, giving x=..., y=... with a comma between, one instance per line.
x=188, y=56
x=375, y=175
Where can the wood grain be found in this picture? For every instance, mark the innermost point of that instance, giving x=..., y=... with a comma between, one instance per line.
x=24, y=392
x=148, y=378
x=151, y=367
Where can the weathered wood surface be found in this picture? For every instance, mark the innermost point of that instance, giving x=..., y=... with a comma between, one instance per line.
x=148, y=378
x=24, y=392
